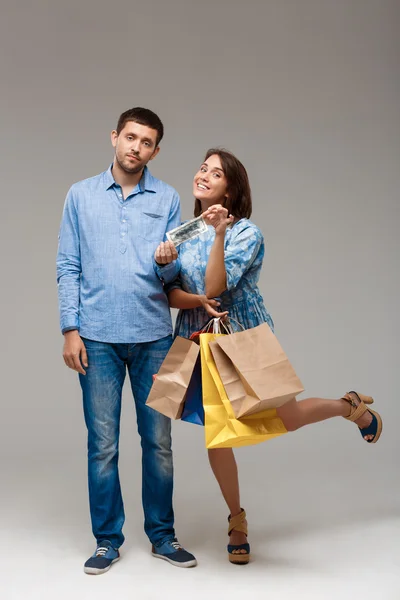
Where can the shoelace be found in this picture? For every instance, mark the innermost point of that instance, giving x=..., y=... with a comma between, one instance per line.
x=101, y=551
x=176, y=545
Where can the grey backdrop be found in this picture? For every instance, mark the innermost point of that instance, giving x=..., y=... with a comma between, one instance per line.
x=307, y=94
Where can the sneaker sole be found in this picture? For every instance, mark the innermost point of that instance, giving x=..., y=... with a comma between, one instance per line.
x=94, y=571
x=183, y=565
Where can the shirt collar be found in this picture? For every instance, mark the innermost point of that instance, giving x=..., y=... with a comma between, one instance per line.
x=147, y=182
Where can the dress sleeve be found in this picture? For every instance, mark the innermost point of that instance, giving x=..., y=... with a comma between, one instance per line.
x=241, y=252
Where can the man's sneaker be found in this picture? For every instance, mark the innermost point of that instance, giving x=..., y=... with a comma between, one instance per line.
x=173, y=552
x=102, y=559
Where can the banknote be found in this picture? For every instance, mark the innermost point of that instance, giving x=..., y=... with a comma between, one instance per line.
x=187, y=231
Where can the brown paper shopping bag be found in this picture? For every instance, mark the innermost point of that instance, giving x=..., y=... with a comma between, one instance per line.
x=168, y=391
x=222, y=428
x=255, y=370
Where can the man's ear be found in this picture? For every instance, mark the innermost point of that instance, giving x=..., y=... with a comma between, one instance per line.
x=114, y=138
x=156, y=151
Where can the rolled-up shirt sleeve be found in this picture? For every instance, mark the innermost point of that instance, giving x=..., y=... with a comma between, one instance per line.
x=69, y=266
x=167, y=273
x=176, y=284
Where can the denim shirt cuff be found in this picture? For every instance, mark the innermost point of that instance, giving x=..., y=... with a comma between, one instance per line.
x=167, y=273
x=69, y=324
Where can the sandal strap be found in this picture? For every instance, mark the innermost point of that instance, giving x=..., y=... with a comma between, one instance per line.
x=363, y=397
x=356, y=411
x=237, y=523
x=232, y=548
x=371, y=429
x=360, y=397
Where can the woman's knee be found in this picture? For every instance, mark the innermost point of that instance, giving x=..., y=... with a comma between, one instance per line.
x=291, y=425
x=290, y=416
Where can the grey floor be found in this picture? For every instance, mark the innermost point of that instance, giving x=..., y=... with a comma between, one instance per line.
x=316, y=533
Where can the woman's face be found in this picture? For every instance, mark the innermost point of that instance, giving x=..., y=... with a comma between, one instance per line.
x=209, y=183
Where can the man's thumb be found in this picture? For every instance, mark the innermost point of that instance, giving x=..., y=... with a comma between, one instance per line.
x=84, y=357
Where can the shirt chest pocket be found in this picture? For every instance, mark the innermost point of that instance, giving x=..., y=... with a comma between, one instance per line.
x=151, y=226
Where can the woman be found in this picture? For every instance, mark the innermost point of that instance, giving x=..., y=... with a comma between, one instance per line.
x=219, y=275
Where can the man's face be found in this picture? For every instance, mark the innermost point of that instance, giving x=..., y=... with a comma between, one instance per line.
x=134, y=147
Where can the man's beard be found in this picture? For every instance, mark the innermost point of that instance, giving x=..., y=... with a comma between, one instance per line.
x=130, y=170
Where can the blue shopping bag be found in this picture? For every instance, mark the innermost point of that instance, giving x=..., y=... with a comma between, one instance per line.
x=193, y=410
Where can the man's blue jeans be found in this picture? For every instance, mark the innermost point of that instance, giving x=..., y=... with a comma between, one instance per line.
x=102, y=390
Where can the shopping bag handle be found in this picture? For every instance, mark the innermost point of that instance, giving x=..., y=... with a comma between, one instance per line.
x=217, y=325
x=222, y=326
x=234, y=320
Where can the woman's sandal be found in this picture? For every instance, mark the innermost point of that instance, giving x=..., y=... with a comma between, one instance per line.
x=357, y=410
x=238, y=555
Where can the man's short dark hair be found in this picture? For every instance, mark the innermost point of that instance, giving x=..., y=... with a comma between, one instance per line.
x=143, y=116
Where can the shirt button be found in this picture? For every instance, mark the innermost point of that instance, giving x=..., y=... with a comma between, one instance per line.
x=123, y=234
x=124, y=220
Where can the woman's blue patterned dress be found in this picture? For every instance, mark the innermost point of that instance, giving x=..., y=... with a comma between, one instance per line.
x=244, y=253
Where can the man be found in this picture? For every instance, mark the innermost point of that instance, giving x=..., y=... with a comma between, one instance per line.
x=115, y=317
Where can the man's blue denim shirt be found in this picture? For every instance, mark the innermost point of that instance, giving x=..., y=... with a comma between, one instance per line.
x=109, y=287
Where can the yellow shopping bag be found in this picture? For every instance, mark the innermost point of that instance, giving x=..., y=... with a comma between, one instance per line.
x=222, y=428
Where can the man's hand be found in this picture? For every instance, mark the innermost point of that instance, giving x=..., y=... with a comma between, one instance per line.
x=74, y=352
x=166, y=253
x=210, y=306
